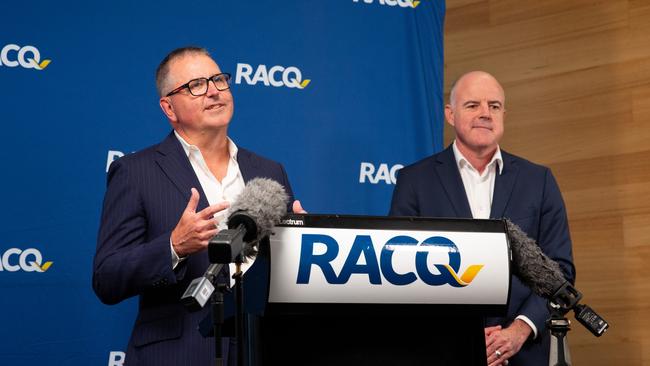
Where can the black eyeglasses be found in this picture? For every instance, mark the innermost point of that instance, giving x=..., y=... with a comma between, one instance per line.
x=199, y=86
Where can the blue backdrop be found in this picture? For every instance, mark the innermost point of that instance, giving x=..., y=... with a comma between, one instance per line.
x=342, y=92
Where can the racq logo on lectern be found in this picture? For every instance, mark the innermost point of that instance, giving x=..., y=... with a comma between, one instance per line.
x=28, y=57
x=318, y=252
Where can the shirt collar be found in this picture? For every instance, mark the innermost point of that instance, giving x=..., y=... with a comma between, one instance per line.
x=461, y=160
x=232, y=148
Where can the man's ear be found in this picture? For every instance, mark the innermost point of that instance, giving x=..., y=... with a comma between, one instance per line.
x=449, y=114
x=167, y=108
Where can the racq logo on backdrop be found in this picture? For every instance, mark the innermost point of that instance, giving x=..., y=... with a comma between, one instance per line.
x=276, y=76
x=112, y=156
x=116, y=358
x=26, y=260
x=28, y=57
x=380, y=173
x=400, y=3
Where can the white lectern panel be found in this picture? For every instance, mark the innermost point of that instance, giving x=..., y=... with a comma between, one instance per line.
x=362, y=266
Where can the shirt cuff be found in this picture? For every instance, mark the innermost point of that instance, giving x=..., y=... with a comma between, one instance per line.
x=175, y=258
x=530, y=324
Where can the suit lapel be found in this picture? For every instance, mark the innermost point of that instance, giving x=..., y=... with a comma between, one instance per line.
x=503, y=186
x=176, y=166
x=452, y=183
x=247, y=166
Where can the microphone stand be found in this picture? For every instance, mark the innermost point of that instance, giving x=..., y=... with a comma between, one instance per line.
x=239, y=313
x=226, y=247
x=216, y=302
x=565, y=299
x=559, y=325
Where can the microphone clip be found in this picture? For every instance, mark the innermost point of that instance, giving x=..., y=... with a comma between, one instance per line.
x=567, y=298
x=228, y=246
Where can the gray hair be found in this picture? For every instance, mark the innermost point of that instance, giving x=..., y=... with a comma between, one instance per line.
x=162, y=72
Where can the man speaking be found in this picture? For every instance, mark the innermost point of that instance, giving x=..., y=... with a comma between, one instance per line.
x=162, y=206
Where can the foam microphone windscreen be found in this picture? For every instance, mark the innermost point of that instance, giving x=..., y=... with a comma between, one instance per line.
x=260, y=206
x=535, y=269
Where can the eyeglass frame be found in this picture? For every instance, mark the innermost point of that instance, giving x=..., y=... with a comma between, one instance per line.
x=207, y=83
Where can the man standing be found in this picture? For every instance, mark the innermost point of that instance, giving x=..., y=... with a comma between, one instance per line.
x=474, y=178
x=163, y=205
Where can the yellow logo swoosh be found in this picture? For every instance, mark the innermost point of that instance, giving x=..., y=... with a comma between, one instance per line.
x=44, y=64
x=301, y=85
x=44, y=267
x=467, y=276
x=470, y=273
x=415, y=3
x=39, y=66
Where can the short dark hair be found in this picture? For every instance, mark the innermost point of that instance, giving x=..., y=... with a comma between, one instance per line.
x=162, y=72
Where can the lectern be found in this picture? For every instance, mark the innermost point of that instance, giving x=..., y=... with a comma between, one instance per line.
x=359, y=290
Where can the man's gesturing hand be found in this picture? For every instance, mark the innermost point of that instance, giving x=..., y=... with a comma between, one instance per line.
x=195, y=229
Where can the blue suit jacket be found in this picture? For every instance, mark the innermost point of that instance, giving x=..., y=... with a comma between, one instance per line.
x=146, y=194
x=525, y=193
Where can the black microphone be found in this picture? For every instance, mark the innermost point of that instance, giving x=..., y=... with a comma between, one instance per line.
x=260, y=206
x=201, y=288
x=544, y=277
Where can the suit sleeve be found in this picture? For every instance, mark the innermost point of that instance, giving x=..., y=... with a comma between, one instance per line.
x=287, y=187
x=555, y=241
x=404, y=201
x=127, y=262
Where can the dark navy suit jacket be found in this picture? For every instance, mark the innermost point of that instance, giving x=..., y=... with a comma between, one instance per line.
x=525, y=193
x=146, y=194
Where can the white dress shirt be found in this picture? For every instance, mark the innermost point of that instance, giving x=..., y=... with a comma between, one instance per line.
x=479, y=188
x=228, y=189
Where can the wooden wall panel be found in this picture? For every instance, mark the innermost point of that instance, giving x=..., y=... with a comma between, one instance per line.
x=505, y=11
x=577, y=81
x=636, y=232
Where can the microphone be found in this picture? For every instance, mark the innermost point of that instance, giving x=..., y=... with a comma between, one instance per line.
x=545, y=278
x=201, y=288
x=254, y=213
x=539, y=272
x=260, y=206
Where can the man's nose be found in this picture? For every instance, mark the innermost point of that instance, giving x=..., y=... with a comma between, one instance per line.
x=212, y=89
x=485, y=110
